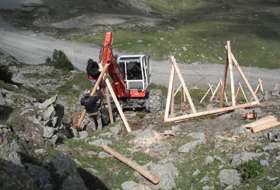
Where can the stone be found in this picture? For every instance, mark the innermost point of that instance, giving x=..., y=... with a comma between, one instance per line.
x=240, y=130
x=90, y=153
x=205, y=178
x=83, y=135
x=47, y=103
x=258, y=188
x=208, y=160
x=264, y=163
x=229, y=177
x=196, y=172
x=230, y=187
x=116, y=129
x=48, y=132
x=271, y=146
x=244, y=157
x=277, y=186
x=105, y=135
x=41, y=152
x=190, y=146
x=100, y=142
x=103, y=155
x=219, y=158
x=49, y=112
x=77, y=162
x=128, y=185
x=53, y=139
x=176, y=128
x=92, y=170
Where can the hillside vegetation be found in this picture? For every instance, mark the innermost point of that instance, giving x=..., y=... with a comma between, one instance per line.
x=191, y=30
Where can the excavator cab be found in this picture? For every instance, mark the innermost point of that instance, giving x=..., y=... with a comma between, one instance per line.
x=136, y=70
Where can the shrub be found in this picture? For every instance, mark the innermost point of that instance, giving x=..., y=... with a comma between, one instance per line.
x=250, y=169
x=141, y=114
x=60, y=60
x=5, y=73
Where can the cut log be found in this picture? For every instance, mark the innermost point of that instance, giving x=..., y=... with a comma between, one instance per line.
x=261, y=122
x=133, y=165
x=215, y=91
x=206, y=93
x=265, y=126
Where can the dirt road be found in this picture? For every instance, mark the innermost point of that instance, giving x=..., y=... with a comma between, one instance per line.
x=31, y=48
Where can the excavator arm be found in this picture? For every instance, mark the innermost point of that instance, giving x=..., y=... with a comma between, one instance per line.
x=106, y=57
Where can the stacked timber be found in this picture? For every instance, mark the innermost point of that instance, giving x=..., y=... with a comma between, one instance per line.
x=263, y=124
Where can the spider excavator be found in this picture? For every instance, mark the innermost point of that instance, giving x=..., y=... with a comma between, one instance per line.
x=131, y=78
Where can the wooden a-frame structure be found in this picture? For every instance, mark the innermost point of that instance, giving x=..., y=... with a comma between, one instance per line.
x=170, y=96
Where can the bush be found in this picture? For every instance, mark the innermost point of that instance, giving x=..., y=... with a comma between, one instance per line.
x=5, y=74
x=60, y=60
x=250, y=169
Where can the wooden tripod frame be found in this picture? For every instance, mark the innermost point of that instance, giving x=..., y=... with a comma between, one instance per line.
x=170, y=95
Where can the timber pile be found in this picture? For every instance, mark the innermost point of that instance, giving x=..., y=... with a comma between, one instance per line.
x=263, y=124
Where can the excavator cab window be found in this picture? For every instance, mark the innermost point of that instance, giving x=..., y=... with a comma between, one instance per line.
x=134, y=71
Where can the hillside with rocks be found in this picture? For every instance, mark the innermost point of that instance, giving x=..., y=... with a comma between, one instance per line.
x=41, y=149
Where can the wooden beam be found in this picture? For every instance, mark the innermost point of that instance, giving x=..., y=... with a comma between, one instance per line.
x=168, y=100
x=109, y=105
x=231, y=74
x=265, y=126
x=256, y=91
x=224, y=81
x=172, y=96
x=178, y=89
x=182, y=94
x=224, y=91
x=276, y=86
x=243, y=92
x=218, y=91
x=183, y=84
x=261, y=84
x=244, y=78
x=132, y=164
x=117, y=104
x=219, y=110
x=261, y=122
x=215, y=91
x=237, y=93
x=92, y=93
x=210, y=86
x=206, y=93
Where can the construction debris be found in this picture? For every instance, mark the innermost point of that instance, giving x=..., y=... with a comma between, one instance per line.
x=263, y=124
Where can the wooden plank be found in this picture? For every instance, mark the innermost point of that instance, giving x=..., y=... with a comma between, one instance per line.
x=109, y=105
x=276, y=86
x=206, y=94
x=256, y=91
x=210, y=86
x=260, y=81
x=224, y=84
x=168, y=100
x=183, y=84
x=231, y=74
x=117, y=104
x=244, y=78
x=223, y=93
x=219, y=110
x=215, y=91
x=92, y=93
x=218, y=91
x=132, y=164
x=261, y=122
x=243, y=92
x=172, y=96
x=265, y=126
x=237, y=93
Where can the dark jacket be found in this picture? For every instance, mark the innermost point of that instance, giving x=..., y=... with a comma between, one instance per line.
x=93, y=72
x=90, y=103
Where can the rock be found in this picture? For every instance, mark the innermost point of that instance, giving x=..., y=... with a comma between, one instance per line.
x=277, y=186
x=40, y=176
x=105, y=135
x=176, y=128
x=116, y=129
x=90, y=153
x=258, y=188
x=66, y=170
x=190, y=146
x=41, y=152
x=196, y=172
x=200, y=136
x=208, y=159
x=47, y=103
x=271, y=146
x=229, y=187
x=244, y=157
x=128, y=185
x=229, y=176
x=219, y=158
x=264, y=163
x=48, y=132
x=77, y=162
x=103, y=155
x=205, y=178
x=92, y=170
x=53, y=139
x=240, y=131
x=83, y=135
x=100, y=142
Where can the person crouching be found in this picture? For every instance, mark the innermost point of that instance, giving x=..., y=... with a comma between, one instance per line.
x=92, y=104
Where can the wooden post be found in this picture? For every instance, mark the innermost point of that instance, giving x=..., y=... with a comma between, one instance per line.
x=109, y=105
x=256, y=91
x=243, y=92
x=93, y=92
x=183, y=84
x=218, y=91
x=210, y=86
x=172, y=96
x=261, y=84
x=206, y=93
x=117, y=104
x=224, y=91
x=168, y=100
x=132, y=164
x=215, y=91
x=237, y=93
x=231, y=74
x=224, y=82
x=185, y=97
x=276, y=86
x=182, y=94
x=178, y=89
x=243, y=77
x=185, y=117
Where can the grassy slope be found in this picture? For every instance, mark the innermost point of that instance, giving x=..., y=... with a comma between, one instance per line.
x=202, y=27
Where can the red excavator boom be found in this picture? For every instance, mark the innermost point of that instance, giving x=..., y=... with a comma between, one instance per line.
x=107, y=57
